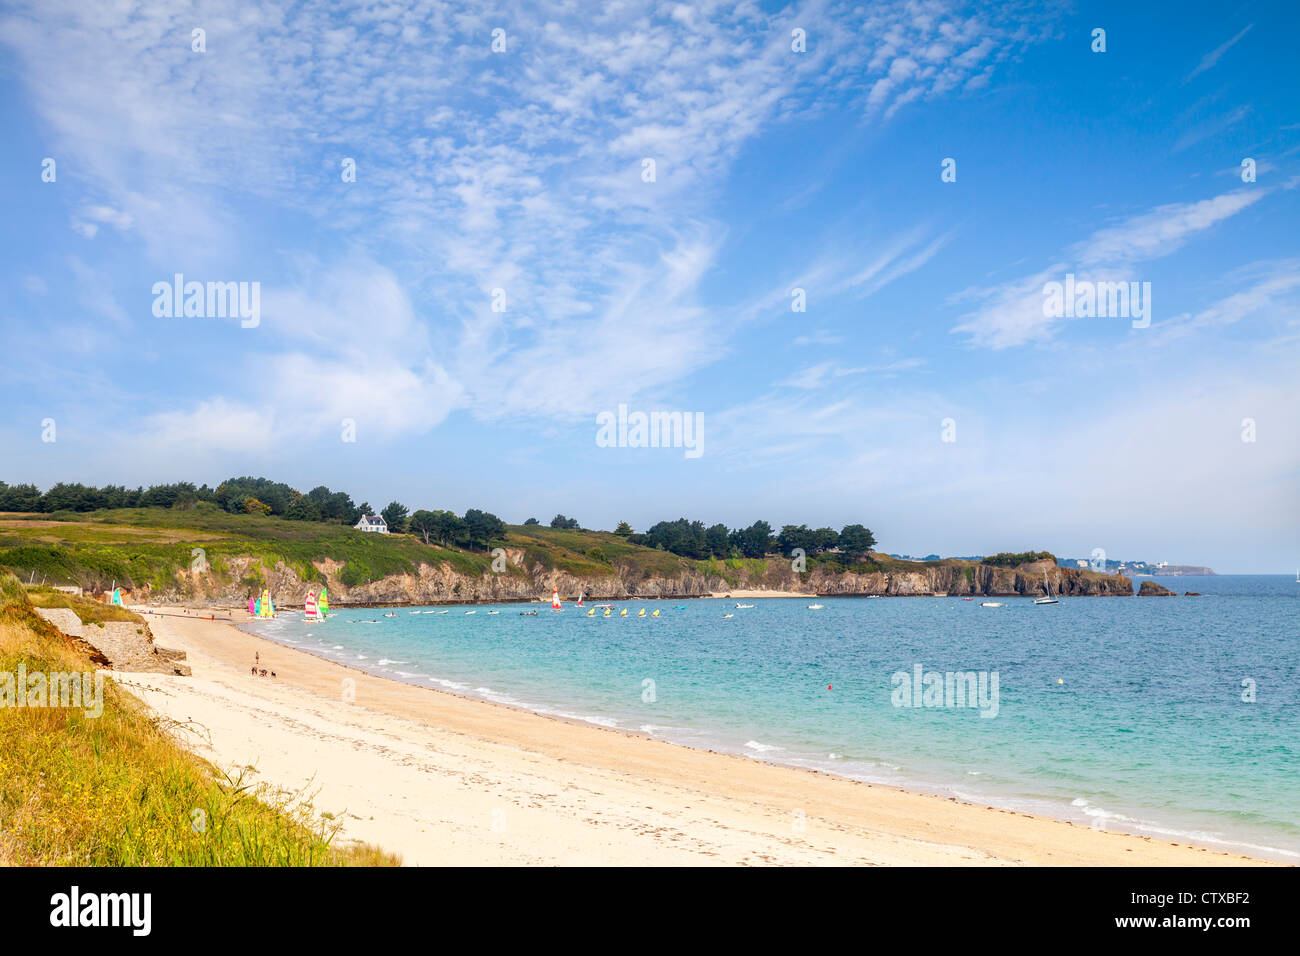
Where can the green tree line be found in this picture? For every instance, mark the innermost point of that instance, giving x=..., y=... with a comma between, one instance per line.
x=475, y=529
x=261, y=496
x=692, y=539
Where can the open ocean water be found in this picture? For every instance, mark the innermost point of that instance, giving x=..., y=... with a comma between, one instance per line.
x=1170, y=717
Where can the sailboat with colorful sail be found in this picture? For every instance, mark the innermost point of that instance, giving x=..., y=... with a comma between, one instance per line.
x=117, y=597
x=323, y=603
x=555, y=599
x=265, y=607
x=310, y=608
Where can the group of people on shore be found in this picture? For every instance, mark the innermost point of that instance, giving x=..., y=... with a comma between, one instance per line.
x=258, y=670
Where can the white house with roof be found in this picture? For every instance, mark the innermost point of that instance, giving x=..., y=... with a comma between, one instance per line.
x=373, y=523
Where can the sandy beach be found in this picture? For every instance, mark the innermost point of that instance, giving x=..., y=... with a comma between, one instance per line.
x=441, y=779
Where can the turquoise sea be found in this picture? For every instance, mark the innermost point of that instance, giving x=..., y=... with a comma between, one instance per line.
x=1173, y=717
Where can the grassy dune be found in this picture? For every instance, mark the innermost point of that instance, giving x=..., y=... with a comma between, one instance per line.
x=118, y=790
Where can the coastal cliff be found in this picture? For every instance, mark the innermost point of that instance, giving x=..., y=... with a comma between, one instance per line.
x=205, y=557
x=520, y=580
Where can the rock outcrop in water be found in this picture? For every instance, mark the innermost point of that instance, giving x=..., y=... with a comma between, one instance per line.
x=1151, y=589
x=441, y=584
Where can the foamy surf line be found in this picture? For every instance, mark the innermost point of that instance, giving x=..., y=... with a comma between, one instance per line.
x=874, y=772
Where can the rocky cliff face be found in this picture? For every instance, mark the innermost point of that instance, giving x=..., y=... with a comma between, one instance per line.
x=982, y=580
x=119, y=645
x=441, y=584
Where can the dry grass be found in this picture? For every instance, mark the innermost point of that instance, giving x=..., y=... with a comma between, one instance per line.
x=88, y=610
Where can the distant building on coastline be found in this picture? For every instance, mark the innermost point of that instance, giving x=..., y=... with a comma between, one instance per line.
x=374, y=523
x=1139, y=568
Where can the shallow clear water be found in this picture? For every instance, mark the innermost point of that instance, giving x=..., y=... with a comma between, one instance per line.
x=1126, y=713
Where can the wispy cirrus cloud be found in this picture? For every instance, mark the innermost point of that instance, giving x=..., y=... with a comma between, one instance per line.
x=857, y=273
x=1210, y=128
x=902, y=255
x=1161, y=231
x=523, y=171
x=1011, y=313
x=817, y=376
x=1273, y=294
x=1211, y=59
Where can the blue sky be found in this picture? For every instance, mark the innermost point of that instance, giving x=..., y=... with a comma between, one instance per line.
x=774, y=170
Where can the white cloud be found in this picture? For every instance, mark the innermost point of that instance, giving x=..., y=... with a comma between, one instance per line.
x=816, y=376
x=1211, y=128
x=215, y=425
x=1161, y=231
x=1011, y=313
x=896, y=260
x=476, y=170
x=818, y=337
x=86, y=223
x=1210, y=59
x=1274, y=296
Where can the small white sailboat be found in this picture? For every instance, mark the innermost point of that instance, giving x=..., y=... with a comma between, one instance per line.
x=744, y=605
x=816, y=607
x=1048, y=599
